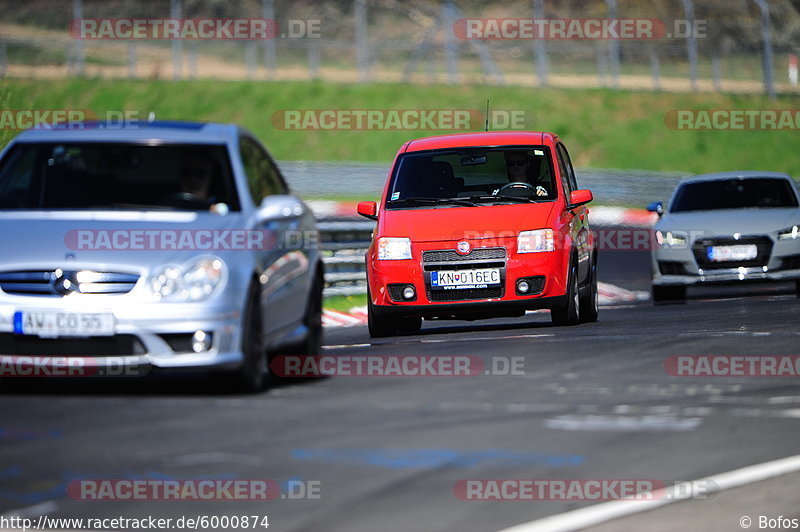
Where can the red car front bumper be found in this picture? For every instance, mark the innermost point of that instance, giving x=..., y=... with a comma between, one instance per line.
x=547, y=272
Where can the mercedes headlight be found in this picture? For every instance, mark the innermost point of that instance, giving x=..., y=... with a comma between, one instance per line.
x=390, y=248
x=535, y=241
x=193, y=281
x=790, y=233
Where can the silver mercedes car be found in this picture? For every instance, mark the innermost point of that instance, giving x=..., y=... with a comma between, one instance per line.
x=726, y=228
x=161, y=244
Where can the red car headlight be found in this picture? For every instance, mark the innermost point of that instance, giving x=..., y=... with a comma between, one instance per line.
x=390, y=248
x=535, y=241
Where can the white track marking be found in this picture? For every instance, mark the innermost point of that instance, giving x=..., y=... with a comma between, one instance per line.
x=601, y=513
x=42, y=508
x=608, y=294
x=621, y=423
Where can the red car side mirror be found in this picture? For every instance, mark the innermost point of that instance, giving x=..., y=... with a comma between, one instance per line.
x=368, y=209
x=579, y=197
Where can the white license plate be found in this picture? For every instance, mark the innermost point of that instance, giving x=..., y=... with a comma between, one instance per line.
x=465, y=278
x=732, y=253
x=54, y=324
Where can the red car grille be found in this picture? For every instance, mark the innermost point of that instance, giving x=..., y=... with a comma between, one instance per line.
x=449, y=260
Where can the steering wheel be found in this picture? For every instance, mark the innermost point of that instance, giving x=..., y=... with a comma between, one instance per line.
x=186, y=200
x=517, y=185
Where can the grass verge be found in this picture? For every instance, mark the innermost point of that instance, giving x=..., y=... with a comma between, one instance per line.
x=602, y=128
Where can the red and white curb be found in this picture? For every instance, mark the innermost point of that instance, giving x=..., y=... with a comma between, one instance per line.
x=335, y=318
x=333, y=209
x=608, y=295
x=599, y=216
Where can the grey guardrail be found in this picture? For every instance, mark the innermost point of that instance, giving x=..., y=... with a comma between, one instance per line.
x=343, y=244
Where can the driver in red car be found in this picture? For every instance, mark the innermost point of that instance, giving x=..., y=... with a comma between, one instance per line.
x=518, y=165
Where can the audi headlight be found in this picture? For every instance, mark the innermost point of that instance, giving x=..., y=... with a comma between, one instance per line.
x=535, y=241
x=670, y=239
x=790, y=233
x=193, y=281
x=390, y=248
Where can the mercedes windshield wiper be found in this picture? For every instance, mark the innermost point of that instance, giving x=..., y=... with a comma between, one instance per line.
x=502, y=198
x=434, y=201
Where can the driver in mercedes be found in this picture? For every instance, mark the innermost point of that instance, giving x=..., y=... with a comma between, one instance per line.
x=196, y=174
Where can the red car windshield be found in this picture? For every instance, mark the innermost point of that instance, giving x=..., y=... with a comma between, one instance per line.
x=472, y=176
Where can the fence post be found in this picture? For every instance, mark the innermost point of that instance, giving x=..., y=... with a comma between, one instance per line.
x=268, y=12
x=716, y=72
x=769, y=83
x=131, y=60
x=193, y=54
x=655, y=68
x=250, y=58
x=450, y=45
x=177, y=45
x=540, y=46
x=3, y=59
x=613, y=47
x=602, y=66
x=691, y=42
x=80, y=52
x=362, y=58
x=313, y=59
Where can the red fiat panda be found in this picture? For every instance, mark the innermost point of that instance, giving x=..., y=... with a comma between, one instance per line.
x=480, y=225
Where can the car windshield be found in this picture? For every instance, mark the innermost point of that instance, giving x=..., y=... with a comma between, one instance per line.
x=96, y=175
x=474, y=176
x=734, y=194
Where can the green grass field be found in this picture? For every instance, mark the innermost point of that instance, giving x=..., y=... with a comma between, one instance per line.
x=602, y=128
x=345, y=303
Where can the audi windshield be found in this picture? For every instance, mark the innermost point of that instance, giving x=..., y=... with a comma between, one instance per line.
x=734, y=194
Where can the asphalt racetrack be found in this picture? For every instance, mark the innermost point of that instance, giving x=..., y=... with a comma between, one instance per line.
x=386, y=453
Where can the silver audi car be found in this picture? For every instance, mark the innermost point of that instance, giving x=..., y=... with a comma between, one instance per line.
x=161, y=244
x=726, y=228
